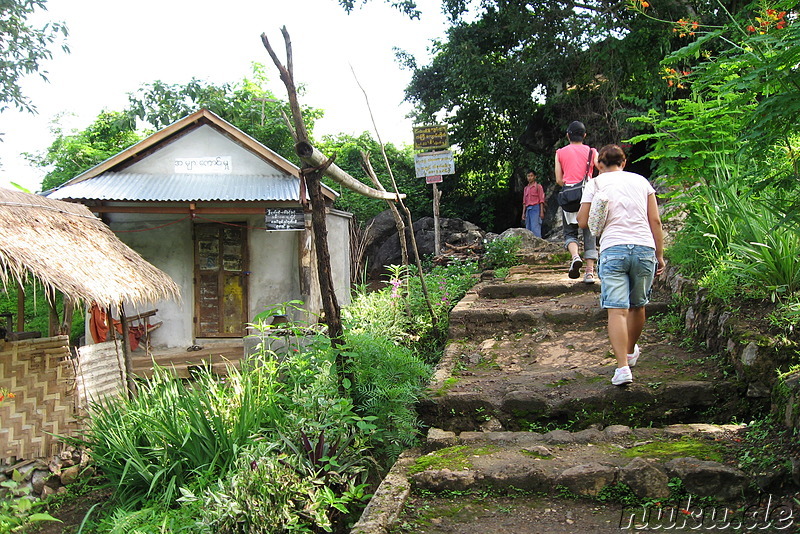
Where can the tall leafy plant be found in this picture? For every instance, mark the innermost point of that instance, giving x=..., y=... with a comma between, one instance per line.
x=389, y=379
x=733, y=236
x=767, y=253
x=175, y=432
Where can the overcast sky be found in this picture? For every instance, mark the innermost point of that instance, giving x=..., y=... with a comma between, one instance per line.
x=116, y=47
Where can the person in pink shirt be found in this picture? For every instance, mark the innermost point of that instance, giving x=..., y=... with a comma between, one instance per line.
x=533, y=205
x=573, y=163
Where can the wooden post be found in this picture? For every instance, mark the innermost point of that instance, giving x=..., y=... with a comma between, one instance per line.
x=20, y=308
x=126, y=351
x=69, y=310
x=330, y=304
x=437, y=243
x=54, y=324
x=305, y=258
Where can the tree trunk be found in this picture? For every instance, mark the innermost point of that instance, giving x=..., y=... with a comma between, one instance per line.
x=330, y=305
x=312, y=177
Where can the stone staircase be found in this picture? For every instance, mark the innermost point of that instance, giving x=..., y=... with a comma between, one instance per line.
x=522, y=402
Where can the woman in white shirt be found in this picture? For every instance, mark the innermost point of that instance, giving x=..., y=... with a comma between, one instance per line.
x=631, y=253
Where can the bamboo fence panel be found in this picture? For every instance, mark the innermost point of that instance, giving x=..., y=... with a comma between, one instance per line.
x=41, y=375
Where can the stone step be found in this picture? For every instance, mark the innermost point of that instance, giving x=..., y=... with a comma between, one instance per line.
x=518, y=409
x=528, y=465
x=537, y=306
x=585, y=462
x=561, y=376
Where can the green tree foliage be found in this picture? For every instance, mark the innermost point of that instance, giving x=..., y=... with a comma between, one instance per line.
x=742, y=102
x=512, y=74
x=71, y=153
x=729, y=148
x=23, y=48
x=246, y=105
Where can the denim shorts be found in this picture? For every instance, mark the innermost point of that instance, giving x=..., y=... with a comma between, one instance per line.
x=626, y=276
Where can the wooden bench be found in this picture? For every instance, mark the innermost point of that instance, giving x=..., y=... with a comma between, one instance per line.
x=139, y=324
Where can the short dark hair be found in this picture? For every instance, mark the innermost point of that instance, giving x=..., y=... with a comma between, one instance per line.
x=530, y=171
x=576, y=130
x=611, y=155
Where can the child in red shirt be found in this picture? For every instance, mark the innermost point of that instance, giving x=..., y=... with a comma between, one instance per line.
x=533, y=205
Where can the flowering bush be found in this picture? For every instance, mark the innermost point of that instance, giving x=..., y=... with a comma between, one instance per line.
x=5, y=394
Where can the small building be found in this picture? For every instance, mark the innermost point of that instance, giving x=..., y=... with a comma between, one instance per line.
x=224, y=216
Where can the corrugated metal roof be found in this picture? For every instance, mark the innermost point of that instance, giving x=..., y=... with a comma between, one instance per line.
x=182, y=187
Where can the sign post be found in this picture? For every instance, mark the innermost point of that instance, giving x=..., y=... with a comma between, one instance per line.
x=432, y=166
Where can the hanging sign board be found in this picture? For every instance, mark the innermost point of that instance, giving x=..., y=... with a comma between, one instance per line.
x=434, y=163
x=431, y=137
x=284, y=219
x=433, y=179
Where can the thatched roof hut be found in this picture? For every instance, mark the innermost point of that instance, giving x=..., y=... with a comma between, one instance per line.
x=69, y=249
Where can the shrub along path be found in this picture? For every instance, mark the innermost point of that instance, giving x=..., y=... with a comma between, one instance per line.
x=521, y=413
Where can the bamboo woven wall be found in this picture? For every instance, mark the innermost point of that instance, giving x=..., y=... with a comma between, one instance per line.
x=40, y=373
x=99, y=372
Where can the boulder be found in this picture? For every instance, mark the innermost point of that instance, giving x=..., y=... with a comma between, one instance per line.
x=38, y=480
x=382, y=246
x=70, y=474
x=529, y=242
x=645, y=478
x=708, y=479
x=438, y=438
x=444, y=480
x=588, y=479
x=617, y=431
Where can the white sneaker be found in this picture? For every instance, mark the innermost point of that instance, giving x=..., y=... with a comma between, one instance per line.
x=633, y=358
x=575, y=267
x=622, y=376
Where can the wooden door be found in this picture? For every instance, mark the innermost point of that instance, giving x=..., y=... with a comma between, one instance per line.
x=220, y=280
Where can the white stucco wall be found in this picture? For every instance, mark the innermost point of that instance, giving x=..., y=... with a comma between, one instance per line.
x=204, y=142
x=273, y=264
x=169, y=248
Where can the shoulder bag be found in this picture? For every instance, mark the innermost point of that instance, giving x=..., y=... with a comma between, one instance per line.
x=598, y=212
x=569, y=198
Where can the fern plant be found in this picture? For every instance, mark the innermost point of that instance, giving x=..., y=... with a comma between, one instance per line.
x=388, y=381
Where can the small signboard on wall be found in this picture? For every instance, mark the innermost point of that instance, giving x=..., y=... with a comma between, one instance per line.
x=209, y=165
x=284, y=219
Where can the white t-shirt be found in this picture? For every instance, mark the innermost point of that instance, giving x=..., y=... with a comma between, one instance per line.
x=627, y=222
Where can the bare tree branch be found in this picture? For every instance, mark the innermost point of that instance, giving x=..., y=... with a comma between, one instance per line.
x=417, y=259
